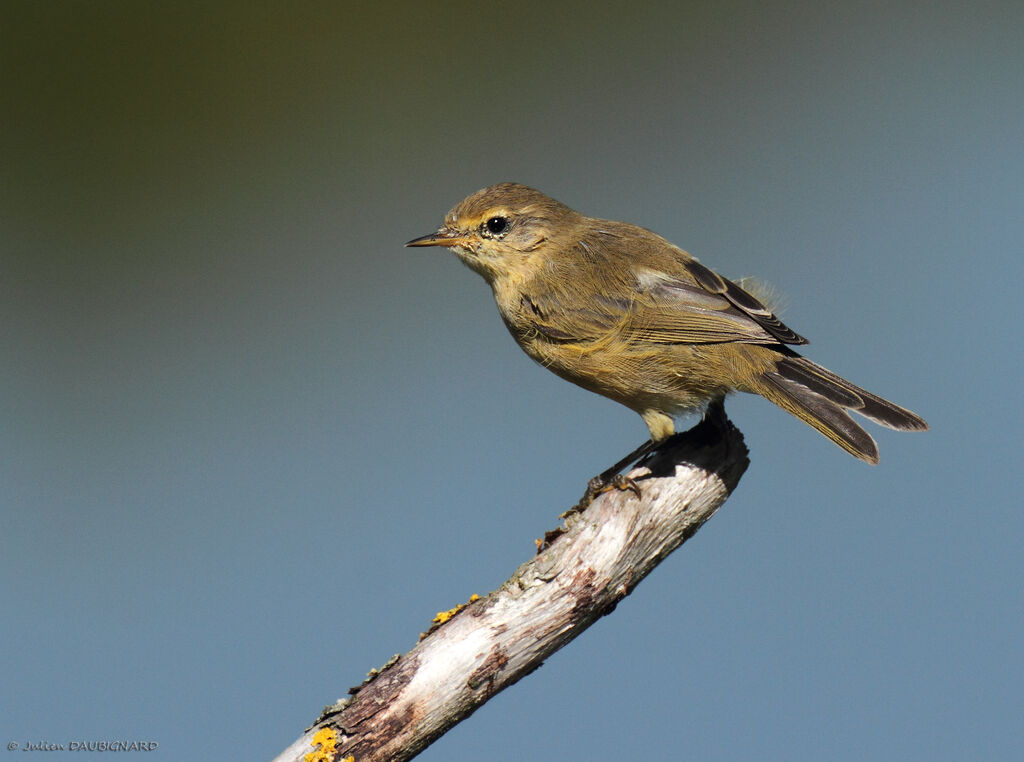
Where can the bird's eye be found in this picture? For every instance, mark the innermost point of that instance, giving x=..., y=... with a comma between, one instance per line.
x=496, y=225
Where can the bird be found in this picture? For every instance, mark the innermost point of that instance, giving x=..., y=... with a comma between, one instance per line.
x=620, y=311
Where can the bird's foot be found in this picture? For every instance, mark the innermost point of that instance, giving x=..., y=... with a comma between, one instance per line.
x=601, y=484
x=623, y=483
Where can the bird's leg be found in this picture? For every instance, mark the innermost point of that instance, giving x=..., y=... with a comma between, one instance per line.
x=713, y=424
x=611, y=478
x=715, y=417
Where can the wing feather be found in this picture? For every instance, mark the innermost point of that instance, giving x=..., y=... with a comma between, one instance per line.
x=676, y=300
x=708, y=309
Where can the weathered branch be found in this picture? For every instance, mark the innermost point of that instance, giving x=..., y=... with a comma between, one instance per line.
x=584, y=570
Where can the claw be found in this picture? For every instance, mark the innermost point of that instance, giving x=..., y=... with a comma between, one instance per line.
x=598, y=486
x=623, y=483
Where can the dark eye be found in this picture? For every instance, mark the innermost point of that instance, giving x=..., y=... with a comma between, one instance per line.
x=496, y=225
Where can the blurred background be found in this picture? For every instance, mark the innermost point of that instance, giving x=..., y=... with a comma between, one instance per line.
x=250, y=445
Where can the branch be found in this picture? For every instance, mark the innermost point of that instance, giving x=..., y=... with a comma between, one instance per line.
x=583, y=570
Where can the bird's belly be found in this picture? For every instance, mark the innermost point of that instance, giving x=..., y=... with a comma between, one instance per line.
x=673, y=379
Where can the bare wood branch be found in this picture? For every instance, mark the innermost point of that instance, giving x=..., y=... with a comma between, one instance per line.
x=586, y=568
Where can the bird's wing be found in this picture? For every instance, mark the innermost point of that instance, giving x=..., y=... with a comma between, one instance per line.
x=699, y=306
x=670, y=299
x=658, y=309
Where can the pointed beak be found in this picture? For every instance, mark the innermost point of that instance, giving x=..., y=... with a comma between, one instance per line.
x=442, y=237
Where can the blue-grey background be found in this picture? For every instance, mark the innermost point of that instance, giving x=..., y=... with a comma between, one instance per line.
x=250, y=445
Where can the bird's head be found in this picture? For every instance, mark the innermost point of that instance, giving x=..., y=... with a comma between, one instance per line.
x=502, y=229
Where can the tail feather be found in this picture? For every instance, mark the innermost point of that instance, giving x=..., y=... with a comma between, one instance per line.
x=872, y=406
x=821, y=398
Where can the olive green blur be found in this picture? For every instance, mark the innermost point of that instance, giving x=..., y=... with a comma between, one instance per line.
x=619, y=310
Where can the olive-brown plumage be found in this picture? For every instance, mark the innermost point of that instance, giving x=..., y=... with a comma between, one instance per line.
x=622, y=312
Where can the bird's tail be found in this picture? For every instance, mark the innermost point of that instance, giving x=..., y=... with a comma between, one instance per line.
x=821, y=398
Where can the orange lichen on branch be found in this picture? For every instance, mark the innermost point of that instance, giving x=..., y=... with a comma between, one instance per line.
x=444, y=616
x=327, y=740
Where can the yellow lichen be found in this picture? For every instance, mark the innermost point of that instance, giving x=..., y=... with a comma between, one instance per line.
x=327, y=740
x=444, y=616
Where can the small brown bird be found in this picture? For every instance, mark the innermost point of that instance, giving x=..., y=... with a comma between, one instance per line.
x=619, y=310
